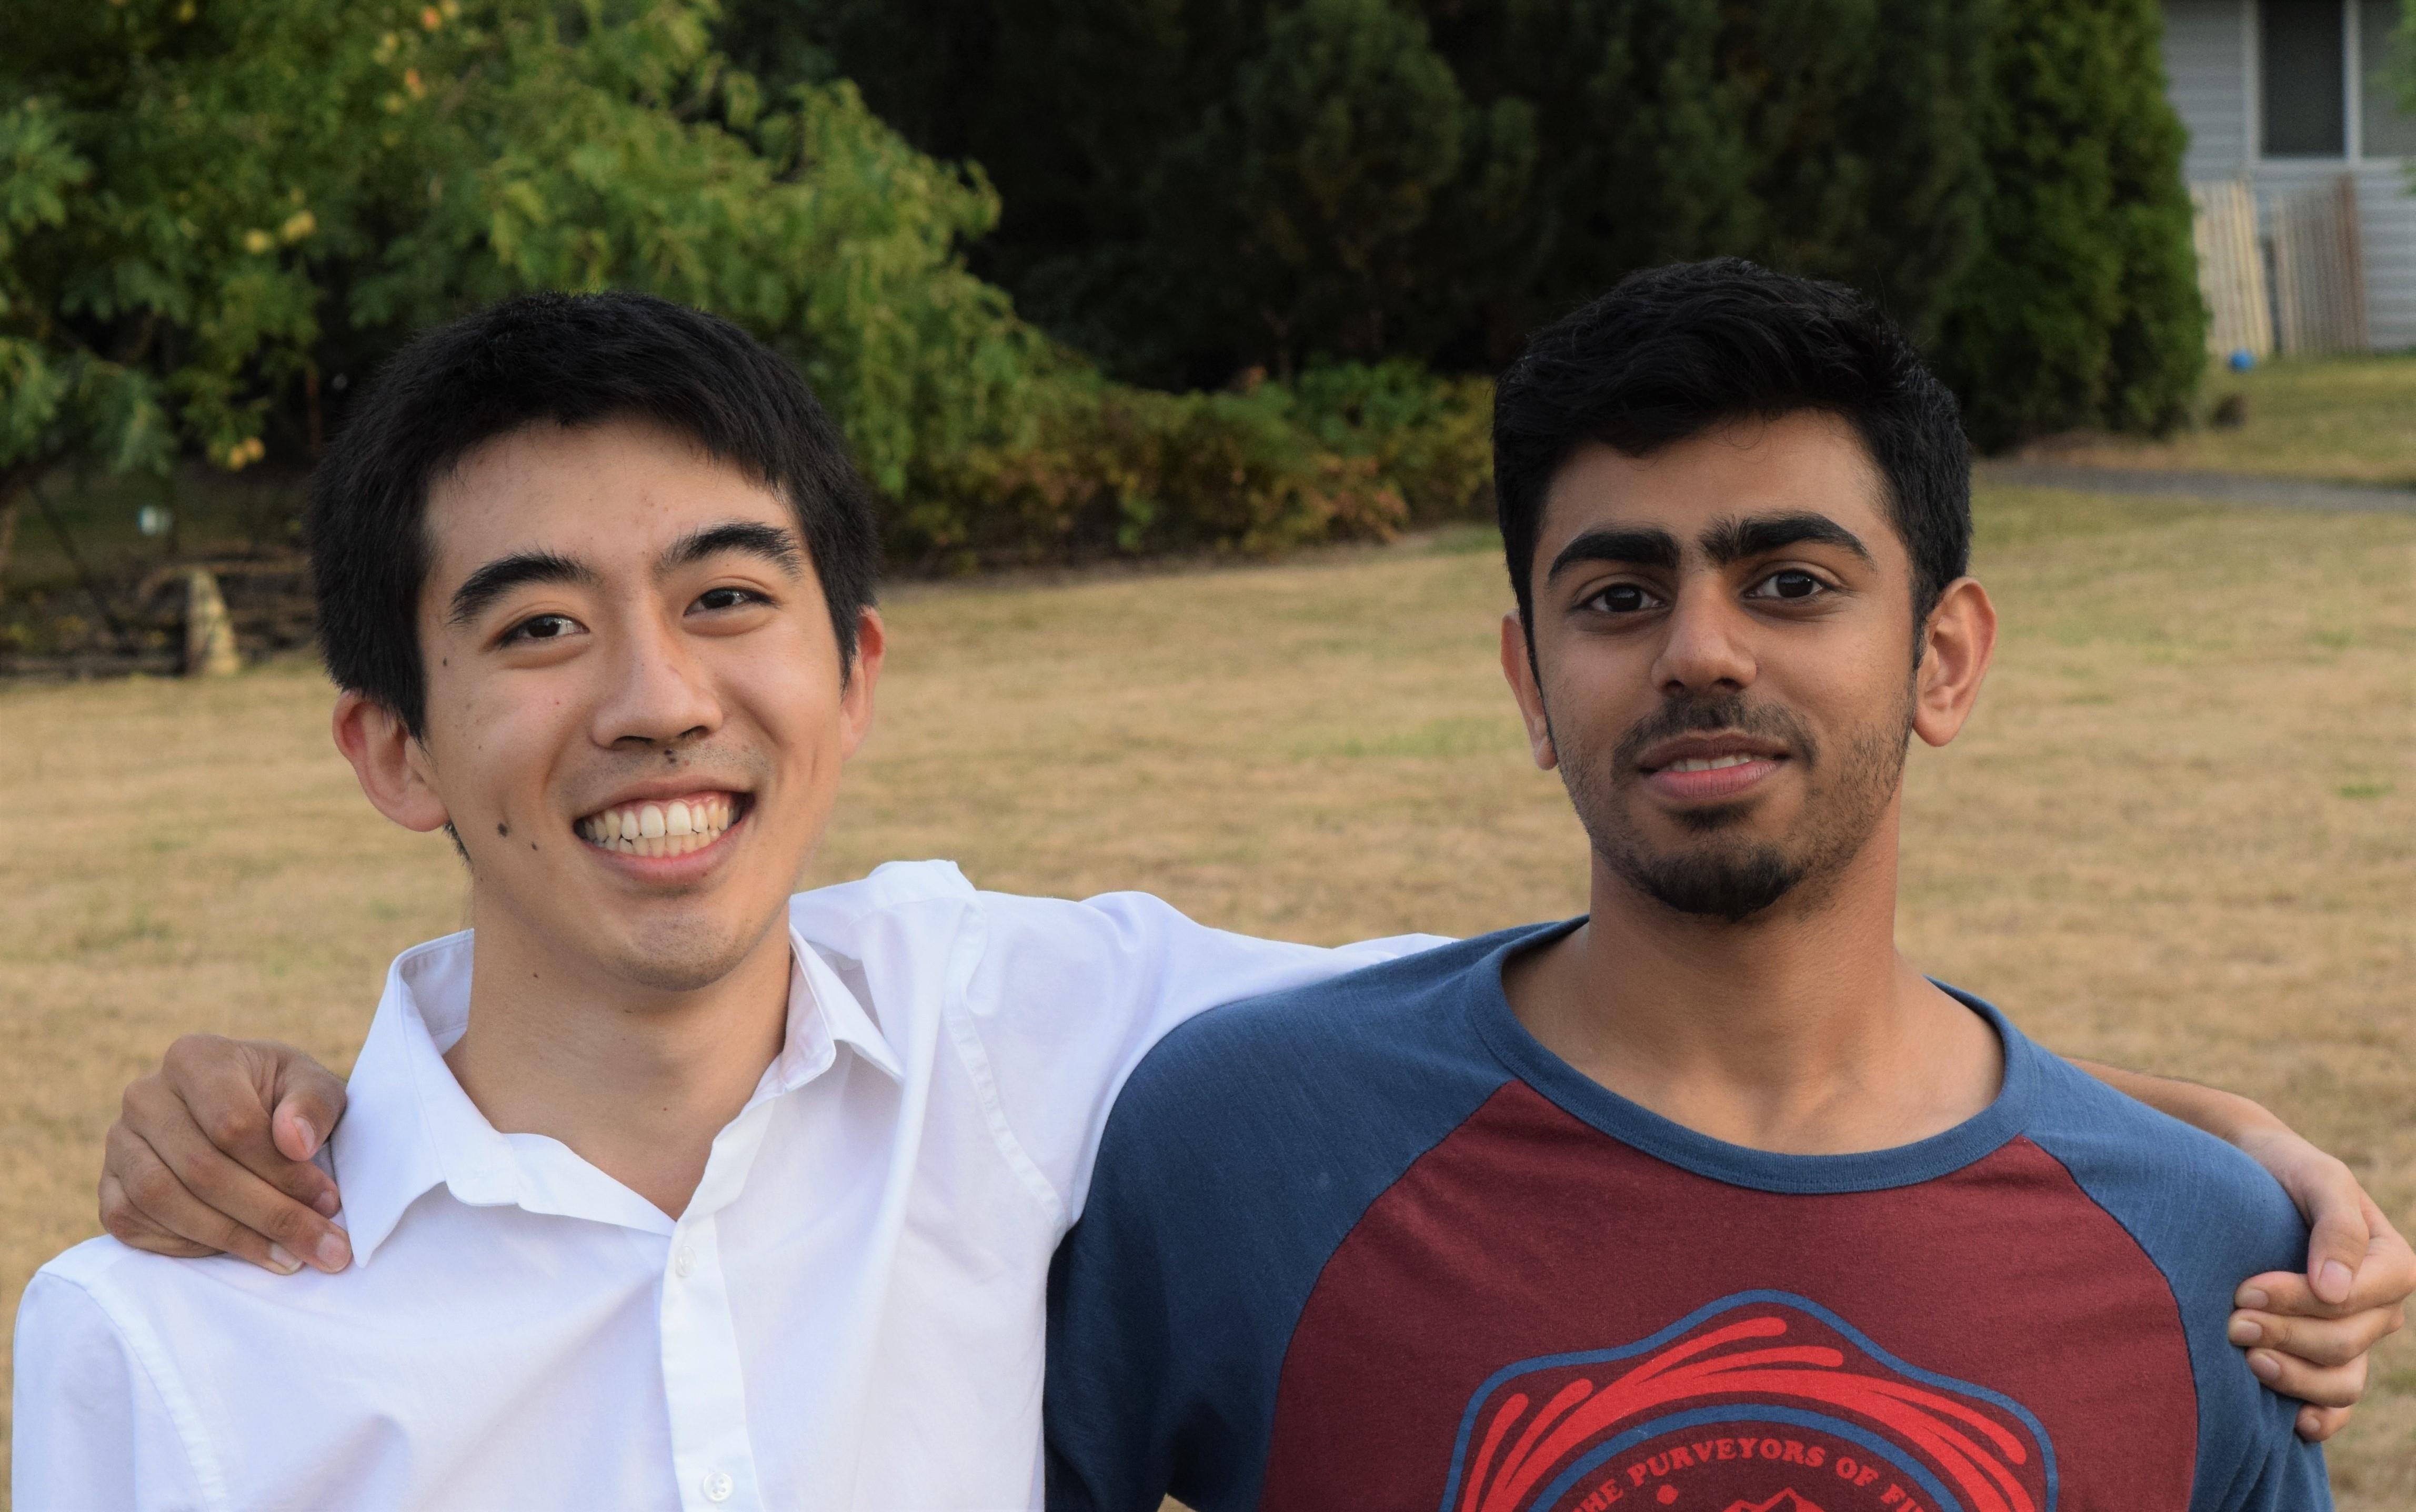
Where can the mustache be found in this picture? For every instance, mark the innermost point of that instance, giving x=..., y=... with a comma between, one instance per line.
x=738, y=768
x=1714, y=713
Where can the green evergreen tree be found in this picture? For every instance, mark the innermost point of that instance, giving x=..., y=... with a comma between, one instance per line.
x=2081, y=307
x=1296, y=206
x=1190, y=186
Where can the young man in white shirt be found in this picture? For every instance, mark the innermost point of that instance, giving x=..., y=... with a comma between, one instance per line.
x=693, y=1192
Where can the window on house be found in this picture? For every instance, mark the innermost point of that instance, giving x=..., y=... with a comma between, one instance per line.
x=2385, y=123
x=2305, y=79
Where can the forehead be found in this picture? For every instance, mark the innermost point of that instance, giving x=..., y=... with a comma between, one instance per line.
x=620, y=489
x=1806, y=462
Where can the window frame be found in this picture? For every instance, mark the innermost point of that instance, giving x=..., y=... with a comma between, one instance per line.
x=2353, y=89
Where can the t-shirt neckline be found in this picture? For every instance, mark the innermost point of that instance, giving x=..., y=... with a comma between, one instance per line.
x=1632, y=1124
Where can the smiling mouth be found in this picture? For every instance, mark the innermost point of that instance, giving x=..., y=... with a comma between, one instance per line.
x=663, y=826
x=1712, y=763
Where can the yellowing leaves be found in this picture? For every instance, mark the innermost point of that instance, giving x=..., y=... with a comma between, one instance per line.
x=298, y=225
x=242, y=454
x=256, y=241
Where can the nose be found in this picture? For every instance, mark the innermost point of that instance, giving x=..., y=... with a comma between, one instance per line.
x=661, y=695
x=1705, y=646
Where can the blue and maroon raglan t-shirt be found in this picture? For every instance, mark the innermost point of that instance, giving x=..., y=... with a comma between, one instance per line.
x=1370, y=1246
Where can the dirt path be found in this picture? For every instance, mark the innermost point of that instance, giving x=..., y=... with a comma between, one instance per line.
x=2222, y=487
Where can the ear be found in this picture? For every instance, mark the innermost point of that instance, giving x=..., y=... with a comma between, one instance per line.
x=393, y=767
x=1519, y=670
x=1956, y=647
x=855, y=700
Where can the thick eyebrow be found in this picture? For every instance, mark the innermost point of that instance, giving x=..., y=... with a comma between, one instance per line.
x=501, y=575
x=1637, y=547
x=1734, y=540
x=748, y=537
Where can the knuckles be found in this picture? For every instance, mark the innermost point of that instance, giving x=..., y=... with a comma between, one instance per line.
x=141, y=1096
x=234, y=1128
x=194, y=1052
x=150, y=1189
x=289, y=1226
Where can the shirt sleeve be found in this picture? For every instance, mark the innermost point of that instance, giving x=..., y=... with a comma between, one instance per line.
x=1067, y=996
x=2291, y=1479
x=90, y=1431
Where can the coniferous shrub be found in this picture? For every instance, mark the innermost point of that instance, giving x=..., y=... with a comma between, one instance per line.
x=2004, y=175
x=2081, y=307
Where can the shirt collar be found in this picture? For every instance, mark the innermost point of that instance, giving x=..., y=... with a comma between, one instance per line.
x=408, y=1127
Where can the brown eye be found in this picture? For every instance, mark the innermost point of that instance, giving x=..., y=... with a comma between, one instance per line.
x=1624, y=598
x=1790, y=584
x=542, y=627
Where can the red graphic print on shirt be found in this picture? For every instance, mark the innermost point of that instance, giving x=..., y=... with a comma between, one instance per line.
x=1759, y=1402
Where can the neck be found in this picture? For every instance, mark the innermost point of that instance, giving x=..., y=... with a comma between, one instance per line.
x=1800, y=1030
x=636, y=1081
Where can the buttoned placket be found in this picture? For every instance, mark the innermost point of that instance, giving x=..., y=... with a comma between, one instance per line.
x=712, y=1450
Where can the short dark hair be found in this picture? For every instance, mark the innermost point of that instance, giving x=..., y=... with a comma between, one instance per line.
x=572, y=360
x=1671, y=352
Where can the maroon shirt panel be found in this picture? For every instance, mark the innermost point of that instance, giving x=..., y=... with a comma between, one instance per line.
x=1528, y=1234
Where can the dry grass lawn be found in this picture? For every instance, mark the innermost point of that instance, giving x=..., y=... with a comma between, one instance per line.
x=2178, y=833
x=2342, y=419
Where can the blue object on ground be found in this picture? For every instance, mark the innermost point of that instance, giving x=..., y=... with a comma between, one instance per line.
x=2243, y=359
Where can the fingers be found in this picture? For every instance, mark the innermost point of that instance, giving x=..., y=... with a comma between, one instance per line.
x=126, y=1223
x=2328, y=1193
x=308, y=1101
x=144, y=1205
x=2319, y=1386
x=2321, y=1342
x=2385, y=1275
x=228, y=1089
x=2303, y=1346
x=2316, y=1423
x=2388, y=1273
x=255, y=1197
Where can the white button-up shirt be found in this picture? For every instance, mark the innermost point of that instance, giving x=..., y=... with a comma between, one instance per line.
x=849, y=1313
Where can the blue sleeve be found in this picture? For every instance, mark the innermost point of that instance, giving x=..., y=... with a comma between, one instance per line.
x=2209, y=1219
x=1234, y=1163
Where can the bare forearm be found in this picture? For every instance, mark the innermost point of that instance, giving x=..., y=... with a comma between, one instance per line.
x=2227, y=1116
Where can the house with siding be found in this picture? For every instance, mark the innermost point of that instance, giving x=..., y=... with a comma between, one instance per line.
x=2291, y=100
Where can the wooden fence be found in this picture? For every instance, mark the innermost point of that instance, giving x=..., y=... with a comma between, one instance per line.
x=2320, y=270
x=2231, y=269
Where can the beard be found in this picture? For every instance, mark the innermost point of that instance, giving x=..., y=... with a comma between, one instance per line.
x=1718, y=871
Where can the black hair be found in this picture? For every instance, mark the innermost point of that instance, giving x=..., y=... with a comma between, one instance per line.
x=571, y=360
x=1671, y=352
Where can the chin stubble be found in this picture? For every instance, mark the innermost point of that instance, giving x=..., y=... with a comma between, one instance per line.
x=1720, y=875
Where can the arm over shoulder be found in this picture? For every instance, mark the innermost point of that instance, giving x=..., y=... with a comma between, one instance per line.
x=1066, y=997
x=91, y=1428
x=2206, y=1216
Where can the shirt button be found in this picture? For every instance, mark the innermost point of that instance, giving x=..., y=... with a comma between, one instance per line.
x=716, y=1486
x=683, y=1263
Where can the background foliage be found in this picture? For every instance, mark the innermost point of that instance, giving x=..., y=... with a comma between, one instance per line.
x=1077, y=275
x=1194, y=187
x=2085, y=282
x=217, y=213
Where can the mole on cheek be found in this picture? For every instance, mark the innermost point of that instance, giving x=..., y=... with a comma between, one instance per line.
x=504, y=829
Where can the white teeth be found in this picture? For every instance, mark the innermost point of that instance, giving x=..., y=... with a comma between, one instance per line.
x=1709, y=764
x=669, y=828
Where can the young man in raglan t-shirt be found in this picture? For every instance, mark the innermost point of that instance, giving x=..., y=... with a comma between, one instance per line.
x=1708, y=1201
